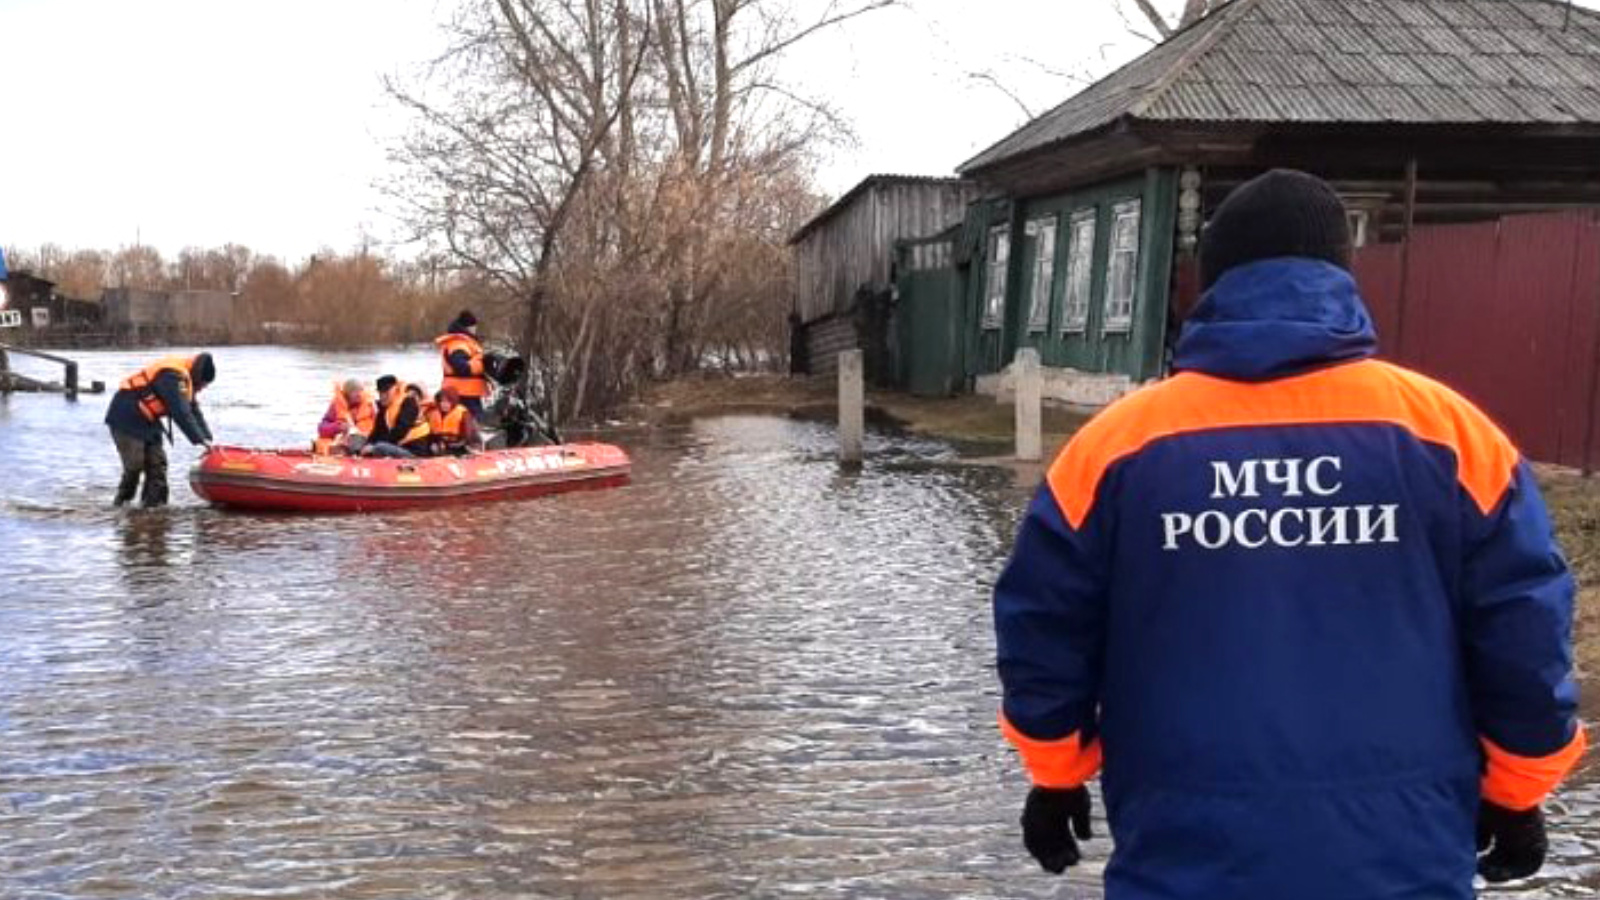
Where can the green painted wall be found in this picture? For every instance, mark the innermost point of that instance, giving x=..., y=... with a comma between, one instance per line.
x=986, y=349
x=930, y=321
x=1136, y=352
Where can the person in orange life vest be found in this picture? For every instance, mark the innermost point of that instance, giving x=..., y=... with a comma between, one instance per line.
x=167, y=388
x=462, y=358
x=399, y=415
x=1304, y=608
x=419, y=440
x=348, y=421
x=454, y=430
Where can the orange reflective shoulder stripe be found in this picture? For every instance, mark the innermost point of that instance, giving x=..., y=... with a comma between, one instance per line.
x=1367, y=392
x=1522, y=782
x=1063, y=763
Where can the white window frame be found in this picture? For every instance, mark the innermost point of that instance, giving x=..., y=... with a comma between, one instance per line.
x=1123, y=298
x=1359, y=220
x=1076, y=297
x=1041, y=291
x=1362, y=211
x=994, y=281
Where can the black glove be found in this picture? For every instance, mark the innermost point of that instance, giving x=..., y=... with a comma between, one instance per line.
x=1517, y=838
x=1046, y=818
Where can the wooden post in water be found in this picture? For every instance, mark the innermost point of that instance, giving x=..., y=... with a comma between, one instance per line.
x=10, y=381
x=852, y=408
x=1030, y=388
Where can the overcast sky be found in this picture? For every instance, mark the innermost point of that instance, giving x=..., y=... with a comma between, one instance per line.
x=198, y=122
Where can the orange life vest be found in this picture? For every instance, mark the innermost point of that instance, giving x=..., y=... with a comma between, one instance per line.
x=143, y=382
x=364, y=415
x=451, y=426
x=474, y=385
x=391, y=415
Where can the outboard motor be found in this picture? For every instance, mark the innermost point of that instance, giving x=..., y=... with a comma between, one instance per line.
x=504, y=367
x=514, y=410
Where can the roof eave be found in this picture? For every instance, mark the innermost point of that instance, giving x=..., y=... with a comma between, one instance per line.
x=848, y=197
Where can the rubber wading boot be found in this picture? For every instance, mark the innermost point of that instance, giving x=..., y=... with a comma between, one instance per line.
x=126, y=488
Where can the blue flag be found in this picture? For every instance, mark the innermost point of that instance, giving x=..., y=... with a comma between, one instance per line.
x=2, y=264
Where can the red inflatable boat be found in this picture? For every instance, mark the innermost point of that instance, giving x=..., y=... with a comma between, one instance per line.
x=295, y=480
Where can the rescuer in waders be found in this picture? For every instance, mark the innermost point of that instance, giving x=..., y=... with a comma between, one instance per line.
x=167, y=388
x=462, y=358
x=1305, y=606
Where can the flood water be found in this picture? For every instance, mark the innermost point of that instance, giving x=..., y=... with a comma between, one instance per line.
x=748, y=674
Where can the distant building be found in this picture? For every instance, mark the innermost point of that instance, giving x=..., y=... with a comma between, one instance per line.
x=45, y=310
x=146, y=314
x=1417, y=111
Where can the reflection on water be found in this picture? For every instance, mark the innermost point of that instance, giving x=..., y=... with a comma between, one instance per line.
x=748, y=674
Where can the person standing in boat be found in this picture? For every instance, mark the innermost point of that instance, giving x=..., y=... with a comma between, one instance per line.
x=399, y=425
x=165, y=389
x=461, y=356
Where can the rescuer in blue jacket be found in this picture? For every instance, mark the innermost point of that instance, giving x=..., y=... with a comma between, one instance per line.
x=167, y=388
x=1304, y=606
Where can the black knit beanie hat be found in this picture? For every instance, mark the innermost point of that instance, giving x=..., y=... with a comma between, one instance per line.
x=385, y=382
x=204, y=370
x=1281, y=213
x=464, y=320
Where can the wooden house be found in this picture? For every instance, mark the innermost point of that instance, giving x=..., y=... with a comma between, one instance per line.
x=844, y=258
x=1418, y=111
x=43, y=311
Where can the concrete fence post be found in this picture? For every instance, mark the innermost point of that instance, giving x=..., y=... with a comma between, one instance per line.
x=1030, y=387
x=852, y=407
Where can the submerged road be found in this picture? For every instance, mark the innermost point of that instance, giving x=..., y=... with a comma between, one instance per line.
x=746, y=675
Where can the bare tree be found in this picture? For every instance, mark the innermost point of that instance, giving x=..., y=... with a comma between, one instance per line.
x=733, y=119
x=213, y=269
x=83, y=273
x=139, y=266
x=1192, y=12
x=605, y=164
x=509, y=129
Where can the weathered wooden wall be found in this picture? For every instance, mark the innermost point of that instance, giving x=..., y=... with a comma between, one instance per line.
x=826, y=339
x=852, y=243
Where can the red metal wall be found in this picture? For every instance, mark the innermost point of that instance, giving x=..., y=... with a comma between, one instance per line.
x=1506, y=312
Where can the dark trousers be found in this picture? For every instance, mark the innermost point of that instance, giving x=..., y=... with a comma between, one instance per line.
x=146, y=458
x=474, y=406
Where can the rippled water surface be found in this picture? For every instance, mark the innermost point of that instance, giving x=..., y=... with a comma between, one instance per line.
x=747, y=674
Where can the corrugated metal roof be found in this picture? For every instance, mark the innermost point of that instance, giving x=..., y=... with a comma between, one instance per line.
x=1335, y=61
x=871, y=181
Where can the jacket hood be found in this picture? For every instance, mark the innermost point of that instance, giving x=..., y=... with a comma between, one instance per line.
x=1275, y=318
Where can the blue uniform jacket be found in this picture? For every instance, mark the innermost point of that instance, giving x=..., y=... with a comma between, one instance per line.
x=1304, y=607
